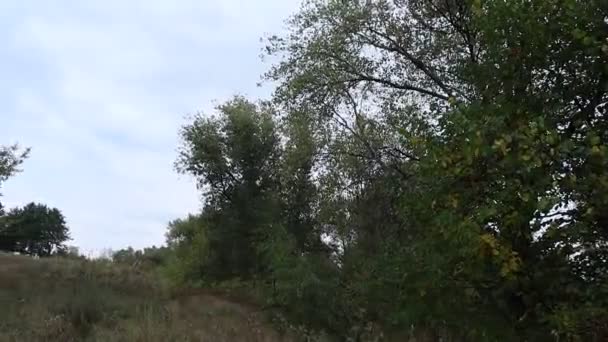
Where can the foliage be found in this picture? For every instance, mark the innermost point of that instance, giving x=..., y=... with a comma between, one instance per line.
x=429, y=168
x=234, y=158
x=34, y=229
x=147, y=259
x=514, y=211
x=443, y=167
x=10, y=159
x=187, y=239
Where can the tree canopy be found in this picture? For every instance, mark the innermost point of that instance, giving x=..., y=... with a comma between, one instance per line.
x=34, y=229
x=234, y=157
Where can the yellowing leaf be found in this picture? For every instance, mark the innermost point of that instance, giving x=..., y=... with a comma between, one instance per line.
x=510, y=265
x=454, y=202
x=476, y=7
x=489, y=240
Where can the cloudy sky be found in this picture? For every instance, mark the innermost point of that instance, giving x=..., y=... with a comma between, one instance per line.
x=99, y=88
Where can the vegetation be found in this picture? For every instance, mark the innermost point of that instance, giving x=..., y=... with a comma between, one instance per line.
x=10, y=159
x=149, y=258
x=426, y=170
x=84, y=300
x=34, y=229
x=439, y=165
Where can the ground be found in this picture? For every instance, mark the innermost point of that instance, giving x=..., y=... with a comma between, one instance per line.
x=77, y=300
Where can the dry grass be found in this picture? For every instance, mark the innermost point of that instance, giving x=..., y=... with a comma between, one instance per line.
x=78, y=300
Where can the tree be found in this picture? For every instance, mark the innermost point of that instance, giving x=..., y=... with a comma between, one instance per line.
x=524, y=168
x=298, y=190
x=188, y=243
x=10, y=159
x=439, y=166
x=147, y=259
x=234, y=157
x=492, y=117
x=34, y=229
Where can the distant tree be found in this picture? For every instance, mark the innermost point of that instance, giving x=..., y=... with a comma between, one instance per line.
x=124, y=256
x=147, y=258
x=70, y=252
x=34, y=229
x=73, y=252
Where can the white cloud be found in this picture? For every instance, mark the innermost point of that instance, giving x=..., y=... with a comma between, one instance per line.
x=103, y=88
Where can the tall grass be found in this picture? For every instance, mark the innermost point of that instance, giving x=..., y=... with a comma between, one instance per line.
x=83, y=300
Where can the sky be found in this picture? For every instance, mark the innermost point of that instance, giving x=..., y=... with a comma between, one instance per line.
x=99, y=89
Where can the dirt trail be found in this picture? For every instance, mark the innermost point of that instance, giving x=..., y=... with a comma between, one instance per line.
x=207, y=310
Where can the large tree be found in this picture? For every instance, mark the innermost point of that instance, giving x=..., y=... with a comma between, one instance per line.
x=234, y=157
x=492, y=116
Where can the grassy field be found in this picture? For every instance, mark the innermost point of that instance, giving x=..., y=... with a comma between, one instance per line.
x=78, y=300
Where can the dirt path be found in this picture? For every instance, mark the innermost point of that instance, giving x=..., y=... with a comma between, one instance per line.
x=211, y=313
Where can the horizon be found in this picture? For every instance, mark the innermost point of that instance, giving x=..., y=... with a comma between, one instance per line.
x=99, y=92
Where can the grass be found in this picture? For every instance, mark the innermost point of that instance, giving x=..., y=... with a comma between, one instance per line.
x=81, y=300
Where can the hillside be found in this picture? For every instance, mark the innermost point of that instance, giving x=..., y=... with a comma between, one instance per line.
x=78, y=300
